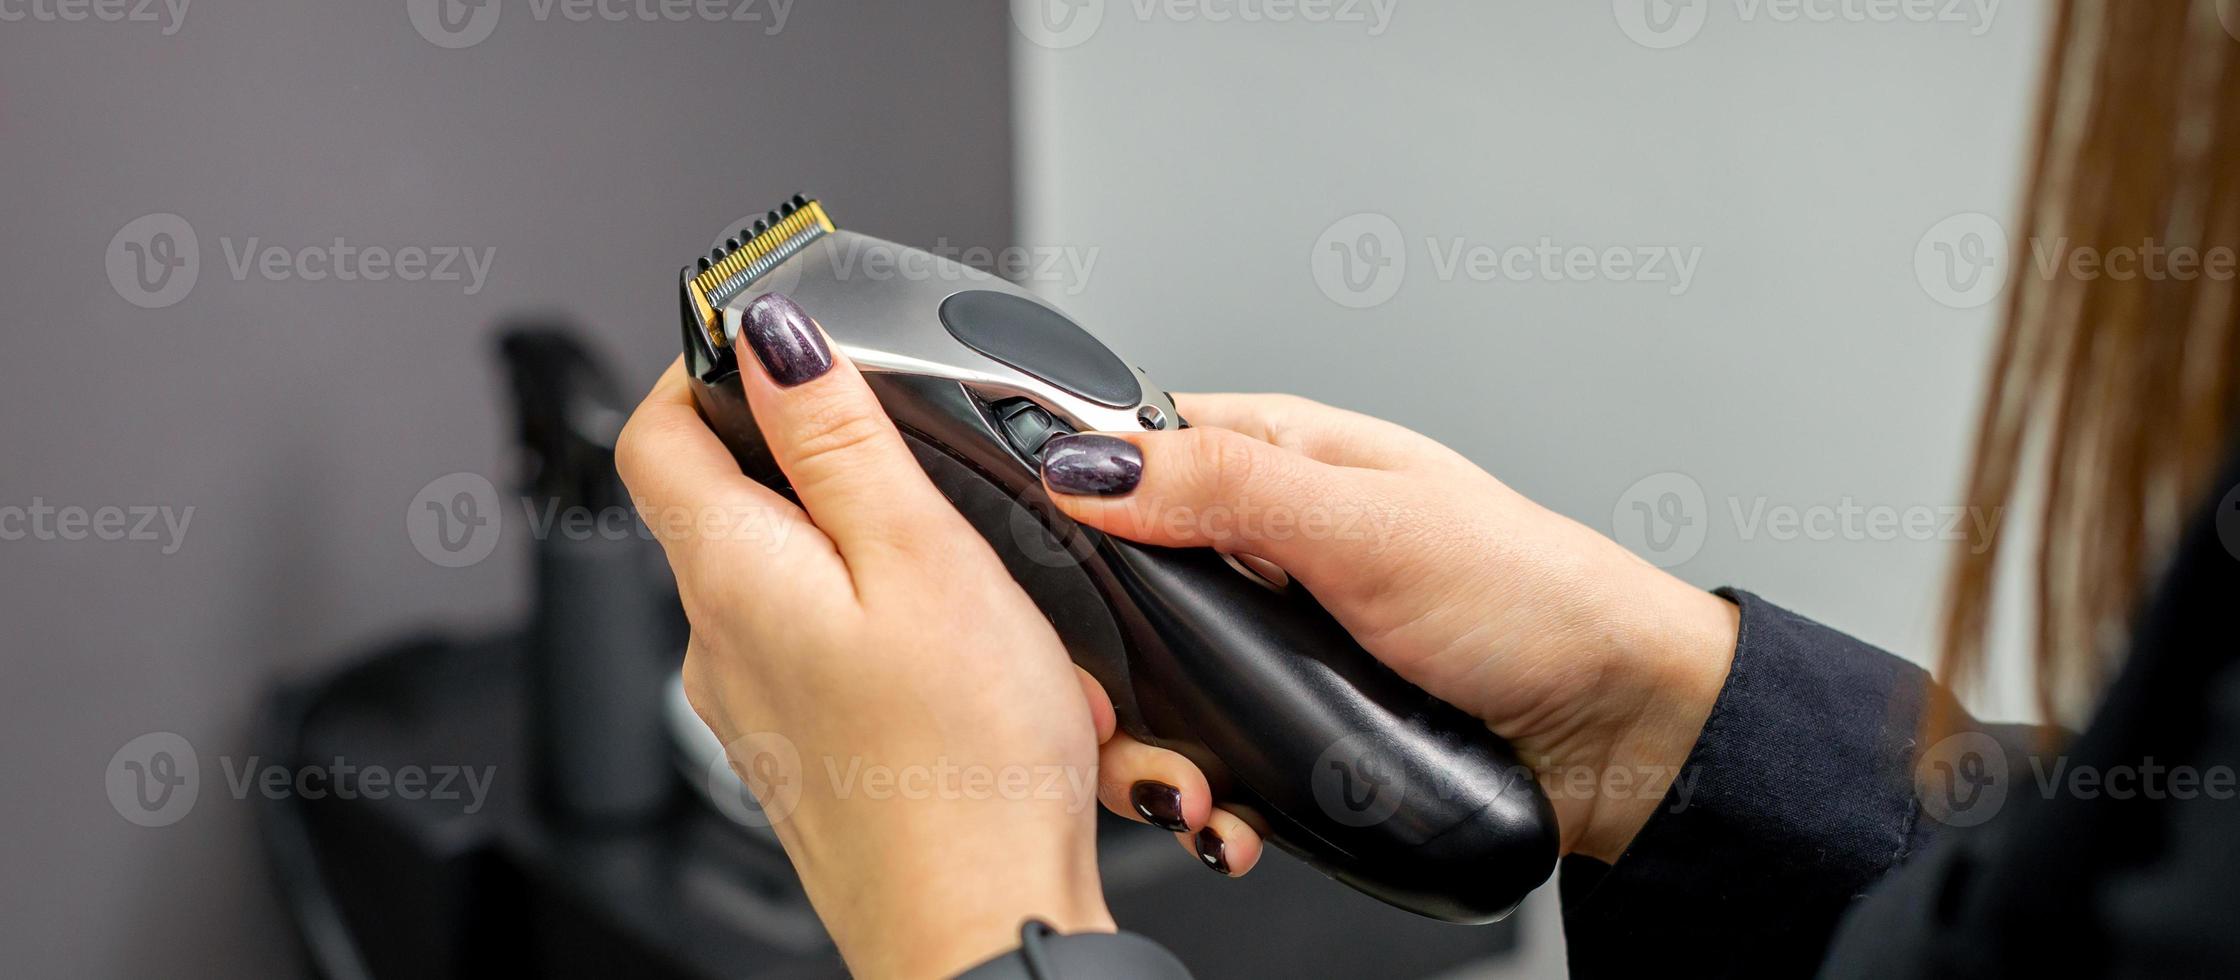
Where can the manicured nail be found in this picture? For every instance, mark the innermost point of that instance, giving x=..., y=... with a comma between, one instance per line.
x=1159, y=804
x=1212, y=851
x=1091, y=465
x=785, y=340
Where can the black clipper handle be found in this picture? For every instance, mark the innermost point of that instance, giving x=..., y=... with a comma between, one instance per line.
x=1321, y=747
x=1302, y=733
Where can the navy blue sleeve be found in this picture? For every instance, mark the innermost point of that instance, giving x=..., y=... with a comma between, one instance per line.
x=1046, y=954
x=1796, y=798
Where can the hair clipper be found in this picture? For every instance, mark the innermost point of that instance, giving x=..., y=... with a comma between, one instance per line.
x=1300, y=732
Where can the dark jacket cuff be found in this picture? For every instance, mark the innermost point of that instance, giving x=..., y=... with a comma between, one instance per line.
x=1045, y=954
x=1796, y=797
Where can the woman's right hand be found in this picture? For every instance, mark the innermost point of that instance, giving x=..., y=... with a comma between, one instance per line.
x=1600, y=668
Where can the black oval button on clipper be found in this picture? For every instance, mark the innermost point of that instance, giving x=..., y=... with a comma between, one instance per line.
x=1042, y=342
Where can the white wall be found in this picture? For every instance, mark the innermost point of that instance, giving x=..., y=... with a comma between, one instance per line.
x=1201, y=163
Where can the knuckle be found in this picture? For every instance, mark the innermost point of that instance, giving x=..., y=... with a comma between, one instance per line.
x=1226, y=463
x=637, y=448
x=630, y=454
x=699, y=687
x=835, y=438
x=935, y=539
x=1288, y=407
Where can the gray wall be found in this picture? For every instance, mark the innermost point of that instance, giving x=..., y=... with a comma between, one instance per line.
x=300, y=419
x=1204, y=162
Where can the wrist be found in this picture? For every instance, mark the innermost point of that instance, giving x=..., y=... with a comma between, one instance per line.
x=944, y=934
x=945, y=943
x=1672, y=667
x=922, y=901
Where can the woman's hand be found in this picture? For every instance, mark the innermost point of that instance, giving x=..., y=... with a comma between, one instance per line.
x=907, y=717
x=1600, y=668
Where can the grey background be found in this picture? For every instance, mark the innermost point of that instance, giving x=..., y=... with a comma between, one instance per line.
x=1199, y=162
x=1805, y=364
x=300, y=419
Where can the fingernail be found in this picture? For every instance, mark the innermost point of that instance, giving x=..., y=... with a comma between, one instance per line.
x=1092, y=465
x=1159, y=805
x=785, y=340
x=1213, y=851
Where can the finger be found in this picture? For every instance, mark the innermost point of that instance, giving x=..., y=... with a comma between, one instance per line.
x=1226, y=845
x=1152, y=785
x=689, y=490
x=835, y=443
x=1303, y=425
x=1100, y=706
x=1217, y=488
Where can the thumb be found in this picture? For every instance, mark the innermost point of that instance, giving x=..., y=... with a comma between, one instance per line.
x=1205, y=487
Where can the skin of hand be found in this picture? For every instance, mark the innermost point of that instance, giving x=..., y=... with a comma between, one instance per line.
x=905, y=714
x=1599, y=667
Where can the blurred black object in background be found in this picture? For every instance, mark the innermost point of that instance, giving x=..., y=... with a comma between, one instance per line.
x=601, y=634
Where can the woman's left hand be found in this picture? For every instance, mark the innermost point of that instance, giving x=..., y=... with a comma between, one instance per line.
x=905, y=714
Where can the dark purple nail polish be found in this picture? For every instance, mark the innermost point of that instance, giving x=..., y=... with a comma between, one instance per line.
x=1092, y=465
x=785, y=340
x=1159, y=804
x=1213, y=851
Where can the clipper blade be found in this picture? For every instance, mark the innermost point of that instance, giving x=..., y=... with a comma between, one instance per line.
x=748, y=256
